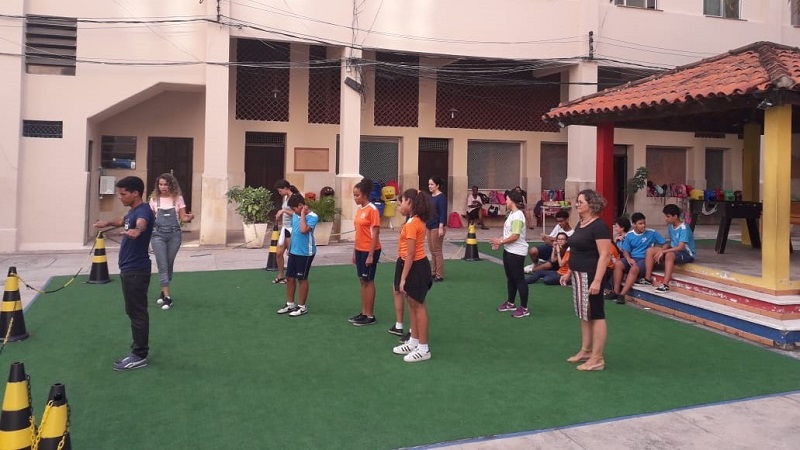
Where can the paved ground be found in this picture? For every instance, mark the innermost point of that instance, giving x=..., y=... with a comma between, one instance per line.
x=763, y=423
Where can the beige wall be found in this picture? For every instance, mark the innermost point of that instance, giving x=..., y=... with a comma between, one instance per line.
x=188, y=98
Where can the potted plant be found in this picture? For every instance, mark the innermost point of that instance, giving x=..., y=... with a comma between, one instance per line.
x=634, y=185
x=326, y=210
x=253, y=204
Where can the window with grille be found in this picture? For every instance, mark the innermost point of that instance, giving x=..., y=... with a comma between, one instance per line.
x=324, y=87
x=794, y=6
x=396, y=90
x=262, y=80
x=118, y=152
x=50, y=45
x=729, y=9
x=379, y=159
x=649, y=4
x=553, y=165
x=666, y=164
x=495, y=100
x=493, y=165
x=43, y=128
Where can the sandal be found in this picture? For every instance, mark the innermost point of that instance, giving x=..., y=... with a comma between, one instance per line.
x=279, y=281
x=598, y=364
x=581, y=356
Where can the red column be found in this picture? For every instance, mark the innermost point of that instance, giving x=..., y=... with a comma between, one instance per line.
x=605, y=169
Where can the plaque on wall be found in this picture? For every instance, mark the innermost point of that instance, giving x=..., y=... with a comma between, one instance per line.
x=311, y=159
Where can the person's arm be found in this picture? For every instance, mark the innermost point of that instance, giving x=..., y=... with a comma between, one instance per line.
x=411, y=245
x=375, y=230
x=442, y=214
x=110, y=223
x=183, y=216
x=304, y=228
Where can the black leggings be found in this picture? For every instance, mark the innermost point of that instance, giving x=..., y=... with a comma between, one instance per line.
x=514, y=266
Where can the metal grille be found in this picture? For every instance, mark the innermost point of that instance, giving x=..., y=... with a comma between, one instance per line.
x=379, y=160
x=517, y=107
x=43, y=128
x=50, y=44
x=324, y=88
x=433, y=145
x=264, y=139
x=493, y=165
x=396, y=91
x=553, y=165
x=262, y=92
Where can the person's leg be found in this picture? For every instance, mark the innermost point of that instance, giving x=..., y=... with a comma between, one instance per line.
x=669, y=266
x=368, y=298
x=291, y=287
x=511, y=286
x=173, y=246
x=633, y=275
x=649, y=262
x=586, y=344
x=159, y=244
x=134, y=292
x=437, y=253
x=599, y=332
x=303, y=291
x=551, y=278
x=535, y=276
x=419, y=322
x=534, y=254
x=517, y=272
x=619, y=271
x=431, y=244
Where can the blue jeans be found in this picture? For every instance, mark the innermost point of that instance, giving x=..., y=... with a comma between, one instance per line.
x=165, y=247
x=549, y=277
x=134, y=291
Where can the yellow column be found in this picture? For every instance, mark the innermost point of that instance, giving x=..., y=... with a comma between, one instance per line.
x=777, y=196
x=751, y=168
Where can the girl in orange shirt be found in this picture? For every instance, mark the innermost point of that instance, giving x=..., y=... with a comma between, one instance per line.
x=367, y=250
x=412, y=275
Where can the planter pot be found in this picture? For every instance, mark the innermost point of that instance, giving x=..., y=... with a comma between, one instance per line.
x=255, y=234
x=322, y=232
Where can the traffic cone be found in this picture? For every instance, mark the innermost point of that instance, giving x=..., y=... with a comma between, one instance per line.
x=99, y=273
x=17, y=427
x=54, y=429
x=272, y=259
x=12, y=322
x=471, y=253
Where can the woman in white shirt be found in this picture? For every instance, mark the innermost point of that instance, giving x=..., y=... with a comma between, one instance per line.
x=515, y=249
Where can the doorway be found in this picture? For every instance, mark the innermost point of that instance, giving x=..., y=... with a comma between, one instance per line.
x=174, y=156
x=264, y=161
x=620, y=181
x=434, y=160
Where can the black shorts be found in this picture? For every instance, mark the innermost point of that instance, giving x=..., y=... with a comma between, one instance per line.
x=298, y=266
x=365, y=272
x=473, y=215
x=418, y=281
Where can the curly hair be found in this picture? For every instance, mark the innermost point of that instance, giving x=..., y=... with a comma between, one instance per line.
x=595, y=201
x=173, y=187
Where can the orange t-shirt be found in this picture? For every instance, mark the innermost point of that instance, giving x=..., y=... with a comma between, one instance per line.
x=366, y=218
x=565, y=268
x=414, y=228
x=614, y=256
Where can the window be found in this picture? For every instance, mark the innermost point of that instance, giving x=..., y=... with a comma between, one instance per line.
x=666, y=165
x=649, y=4
x=50, y=45
x=553, y=166
x=493, y=165
x=118, y=152
x=728, y=9
x=794, y=12
x=715, y=168
x=43, y=128
x=379, y=158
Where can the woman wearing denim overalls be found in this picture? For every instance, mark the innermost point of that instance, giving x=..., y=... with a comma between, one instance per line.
x=170, y=211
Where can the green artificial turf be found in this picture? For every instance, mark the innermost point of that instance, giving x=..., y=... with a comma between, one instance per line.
x=227, y=372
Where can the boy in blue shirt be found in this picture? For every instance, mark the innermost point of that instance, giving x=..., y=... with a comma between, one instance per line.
x=679, y=250
x=633, y=254
x=301, y=255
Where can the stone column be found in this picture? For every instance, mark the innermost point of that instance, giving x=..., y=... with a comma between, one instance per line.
x=349, y=141
x=214, y=212
x=581, y=140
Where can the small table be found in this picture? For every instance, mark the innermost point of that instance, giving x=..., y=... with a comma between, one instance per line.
x=750, y=211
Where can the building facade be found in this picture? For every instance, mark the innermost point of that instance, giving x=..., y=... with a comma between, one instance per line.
x=323, y=93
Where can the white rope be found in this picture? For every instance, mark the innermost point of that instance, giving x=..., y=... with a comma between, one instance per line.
x=707, y=212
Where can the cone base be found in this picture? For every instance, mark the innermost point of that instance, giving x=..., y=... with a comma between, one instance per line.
x=472, y=259
x=17, y=338
x=98, y=282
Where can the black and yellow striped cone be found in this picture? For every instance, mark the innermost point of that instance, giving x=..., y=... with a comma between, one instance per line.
x=99, y=273
x=17, y=427
x=272, y=259
x=54, y=429
x=471, y=253
x=12, y=322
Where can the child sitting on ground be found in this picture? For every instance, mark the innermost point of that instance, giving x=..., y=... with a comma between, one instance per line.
x=550, y=272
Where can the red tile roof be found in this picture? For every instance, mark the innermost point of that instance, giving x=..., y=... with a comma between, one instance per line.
x=738, y=79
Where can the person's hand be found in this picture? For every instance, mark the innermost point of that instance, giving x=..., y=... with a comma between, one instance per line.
x=278, y=215
x=564, y=279
x=659, y=256
x=369, y=260
x=401, y=286
x=496, y=243
x=189, y=217
x=441, y=232
x=101, y=224
x=305, y=210
x=594, y=288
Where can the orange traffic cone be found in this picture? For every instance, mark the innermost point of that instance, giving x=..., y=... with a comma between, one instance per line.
x=272, y=259
x=471, y=253
x=17, y=426
x=54, y=430
x=99, y=273
x=12, y=322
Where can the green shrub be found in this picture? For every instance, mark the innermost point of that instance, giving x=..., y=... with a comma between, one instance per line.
x=252, y=204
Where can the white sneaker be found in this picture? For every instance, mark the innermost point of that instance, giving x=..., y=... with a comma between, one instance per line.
x=528, y=268
x=288, y=309
x=299, y=311
x=417, y=356
x=404, y=349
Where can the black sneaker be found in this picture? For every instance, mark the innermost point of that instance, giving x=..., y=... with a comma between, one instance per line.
x=356, y=318
x=166, y=303
x=130, y=362
x=611, y=296
x=405, y=338
x=364, y=320
x=396, y=331
x=620, y=300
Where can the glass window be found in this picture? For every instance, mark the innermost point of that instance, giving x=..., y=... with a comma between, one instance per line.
x=118, y=152
x=493, y=165
x=730, y=9
x=715, y=168
x=649, y=4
